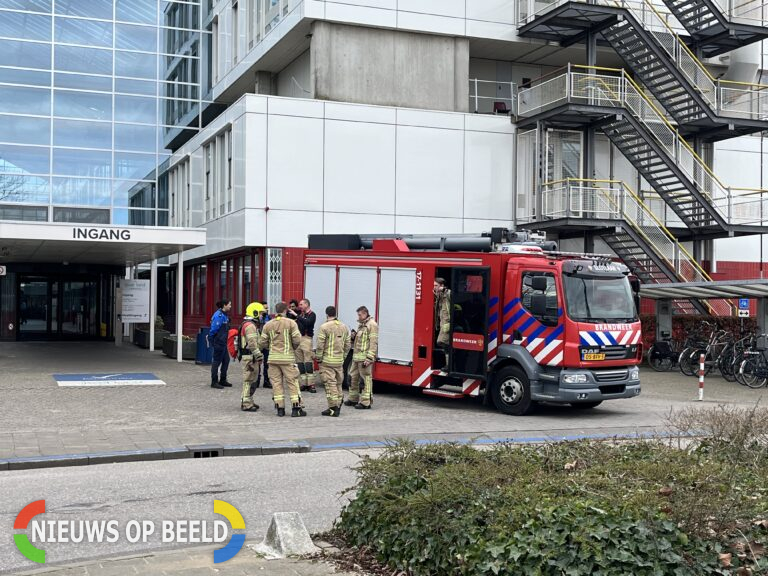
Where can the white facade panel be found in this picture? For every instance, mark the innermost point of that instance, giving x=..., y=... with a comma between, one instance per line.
x=452, y=8
x=488, y=186
x=345, y=223
x=291, y=227
x=431, y=23
x=357, y=287
x=430, y=172
x=397, y=313
x=501, y=11
x=359, y=167
x=360, y=15
x=255, y=139
x=295, y=163
x=423, y=225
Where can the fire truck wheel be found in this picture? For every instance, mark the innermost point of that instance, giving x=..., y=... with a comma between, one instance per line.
x=511, y=392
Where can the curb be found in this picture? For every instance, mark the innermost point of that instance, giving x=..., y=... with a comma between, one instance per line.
x=202, y=451
x=152, y=454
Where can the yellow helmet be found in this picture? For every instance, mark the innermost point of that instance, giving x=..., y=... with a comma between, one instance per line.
x=254, y=309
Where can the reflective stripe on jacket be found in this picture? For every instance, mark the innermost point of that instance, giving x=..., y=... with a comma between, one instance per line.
x=281, y=337
x=366, y=341
x=333, y=343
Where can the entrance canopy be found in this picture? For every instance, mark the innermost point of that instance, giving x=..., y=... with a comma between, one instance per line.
x=718, y=289
x=35, y=242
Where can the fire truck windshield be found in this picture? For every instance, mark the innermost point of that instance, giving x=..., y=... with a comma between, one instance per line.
x=591, y=299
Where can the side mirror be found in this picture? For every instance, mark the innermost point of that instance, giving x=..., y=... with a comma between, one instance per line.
x=539, y=304
x=539, y=283
x=635, y=284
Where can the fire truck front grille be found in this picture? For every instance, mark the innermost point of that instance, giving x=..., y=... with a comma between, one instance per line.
x=610, y=375
x=614, y=352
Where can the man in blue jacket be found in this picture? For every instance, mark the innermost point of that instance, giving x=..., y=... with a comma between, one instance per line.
x=217, y=337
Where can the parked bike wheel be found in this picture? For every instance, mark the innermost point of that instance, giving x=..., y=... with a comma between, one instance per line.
x=754, y=372
x=660, y=359
x=725, y=365
x=689, y=361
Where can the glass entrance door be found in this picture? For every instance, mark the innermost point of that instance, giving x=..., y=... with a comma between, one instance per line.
x=58, y=308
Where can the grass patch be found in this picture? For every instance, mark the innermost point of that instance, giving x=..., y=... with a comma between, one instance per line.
x=576, y=508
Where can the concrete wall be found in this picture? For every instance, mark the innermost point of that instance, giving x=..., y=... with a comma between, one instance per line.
x=389, y=67
x=294, y=81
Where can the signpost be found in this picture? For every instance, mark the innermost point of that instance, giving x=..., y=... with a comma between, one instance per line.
x=743, y=307
x=135, y=307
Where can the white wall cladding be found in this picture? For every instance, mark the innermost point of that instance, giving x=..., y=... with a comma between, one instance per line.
x=315, y=167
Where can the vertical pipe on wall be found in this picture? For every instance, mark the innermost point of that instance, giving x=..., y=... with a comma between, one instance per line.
x=152, y=303
x=179, y=306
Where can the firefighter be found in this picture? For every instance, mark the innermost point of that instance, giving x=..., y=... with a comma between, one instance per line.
x=265, y=317
x=333, y=343
x=306, y=320
x=365, y=349
x=281, y=337
x=442, y=313
x=251, y=355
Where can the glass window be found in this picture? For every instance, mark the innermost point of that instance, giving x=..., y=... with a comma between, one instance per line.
x=599, y=299
x=140, y=87
x=25, y=26
x=135, y=65
x=540, y=289
x=30, y=54
x=90, y=9
x=25, y=213
x=81, y=134
x=132, y=37
x=133, y=217
x=142, y=11
x=16, y=76
x=82, y=82
x=31, y=5
x=83, y=215
x=88, y=60
x=19, y=188
x=25, y=130
x=24, y=159
x=85, y=105
x=17, y=100
x=131, y=165
x=84, y=32
x=133, y=193
x=162, y=218
x=135, y=138
x=82, y=163
x=135, y=109
x=82, y=191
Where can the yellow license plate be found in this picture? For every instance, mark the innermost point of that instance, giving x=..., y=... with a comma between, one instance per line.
x=594, y=356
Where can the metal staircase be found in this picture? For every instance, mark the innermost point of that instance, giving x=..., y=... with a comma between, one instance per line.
x=617, y=105
x=714, y=30
x=636, y=235
x=661, y=61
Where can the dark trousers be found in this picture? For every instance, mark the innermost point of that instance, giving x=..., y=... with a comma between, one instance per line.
x=220, y=358
x=266, y=366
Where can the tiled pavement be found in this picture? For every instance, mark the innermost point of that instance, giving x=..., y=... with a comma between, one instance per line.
x=42, y=422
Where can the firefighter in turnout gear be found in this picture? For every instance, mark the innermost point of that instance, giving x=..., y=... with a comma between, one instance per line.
x=305, y=319
x=333, y=344
x=281, y=337
x=366, y=347
x=442, y=313
x=251, y=355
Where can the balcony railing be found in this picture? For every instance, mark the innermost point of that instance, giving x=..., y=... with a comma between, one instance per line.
x=579, y=85
x=724, y=97
x=492, y=97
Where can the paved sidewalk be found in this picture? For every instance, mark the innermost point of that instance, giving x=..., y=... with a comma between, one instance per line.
x=196, y=561
x=43, y=422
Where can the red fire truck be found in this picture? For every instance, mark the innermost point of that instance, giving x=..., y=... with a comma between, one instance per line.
x=529, y=324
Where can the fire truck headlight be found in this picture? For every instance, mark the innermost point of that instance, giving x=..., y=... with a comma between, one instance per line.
x=634, y=373
x=575, y=378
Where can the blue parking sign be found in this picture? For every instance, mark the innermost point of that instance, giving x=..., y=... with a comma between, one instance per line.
x=743, y=303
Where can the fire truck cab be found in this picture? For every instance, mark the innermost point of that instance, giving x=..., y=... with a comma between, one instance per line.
x=528, y=324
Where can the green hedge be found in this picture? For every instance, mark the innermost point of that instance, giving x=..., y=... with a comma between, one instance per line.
x=564, y=509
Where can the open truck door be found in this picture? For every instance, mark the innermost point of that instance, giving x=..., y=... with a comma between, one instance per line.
x=468, y=356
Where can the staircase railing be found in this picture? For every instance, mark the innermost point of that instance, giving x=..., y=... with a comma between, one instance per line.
x=579, y=84
x=753, y=12
x=615, y=200
x=724, y=97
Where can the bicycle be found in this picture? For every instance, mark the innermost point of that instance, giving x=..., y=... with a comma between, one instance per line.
x=730, y=360
x=754, y=369
x=663, y=355
x=690, y=357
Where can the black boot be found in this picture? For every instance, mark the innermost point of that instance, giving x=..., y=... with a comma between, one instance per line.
x=312, y=389
x=216, y=385
x=281, y=412
x=362, y=406
x=298, y=411
x=328, y=412
x=225, y=384
x=349, y=403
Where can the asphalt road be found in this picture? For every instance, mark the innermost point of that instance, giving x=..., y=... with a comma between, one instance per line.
x=310, y=484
